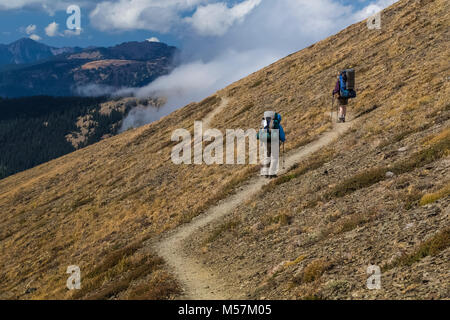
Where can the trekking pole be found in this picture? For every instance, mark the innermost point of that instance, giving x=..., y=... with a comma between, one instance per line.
x=332, y=108
x=284, y=158
x=337, y=111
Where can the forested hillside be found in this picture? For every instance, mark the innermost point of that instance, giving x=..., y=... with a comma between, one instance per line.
x=34, y=130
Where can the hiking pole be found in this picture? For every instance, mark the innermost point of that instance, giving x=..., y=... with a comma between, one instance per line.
x=332, y=108
x=337, y=112
x=284, y=158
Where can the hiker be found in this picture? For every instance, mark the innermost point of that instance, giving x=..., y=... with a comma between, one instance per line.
x=344, y=89
x=342, y=102
x=270, y=135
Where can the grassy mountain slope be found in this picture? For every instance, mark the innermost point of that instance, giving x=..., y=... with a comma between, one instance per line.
x=98, y=206
x=312, y=233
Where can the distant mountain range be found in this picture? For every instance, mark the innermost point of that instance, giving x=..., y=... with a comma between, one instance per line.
x=27, y=50
x=31, y=68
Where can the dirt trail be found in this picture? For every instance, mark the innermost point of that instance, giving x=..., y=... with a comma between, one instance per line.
x=198, y=281
x=210, y=117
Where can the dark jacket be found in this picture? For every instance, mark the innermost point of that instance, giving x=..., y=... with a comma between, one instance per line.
x=337, y=89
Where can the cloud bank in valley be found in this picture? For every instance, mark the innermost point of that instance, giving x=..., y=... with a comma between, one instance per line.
x=194, y=81
x=222, y=41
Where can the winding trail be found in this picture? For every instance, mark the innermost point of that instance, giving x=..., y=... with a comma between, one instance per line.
x=199, y=282
x=209, y=118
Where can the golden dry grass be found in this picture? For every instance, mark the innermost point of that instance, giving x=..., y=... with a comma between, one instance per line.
x=106, y=63
x=435, y=196
x=346, y=209
x=313, y=271
x=83, y=207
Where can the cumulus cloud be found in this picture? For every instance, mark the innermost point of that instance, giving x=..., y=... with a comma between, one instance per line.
x=153, y=39
x=35, y=37
x=373, y=8
x=31, y=32
x=209, y=17
x=52, y=29
x=49, y=6
x=16, y=4
x=216, y=18
x=155, y=15
x=30, y=29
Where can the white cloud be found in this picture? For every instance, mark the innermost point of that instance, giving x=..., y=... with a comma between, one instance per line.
x=49, y=6
x=215, y=19
x=194, y=81
x=269, y=32
x=155, y=15
x=206, y=77
x=52, y=29
x=210, y=17
x=276, y=29
x=373, y=8
x=16, y=4
x=30, y=29
x=35, y=37
x=31, y=32
x=153, y=39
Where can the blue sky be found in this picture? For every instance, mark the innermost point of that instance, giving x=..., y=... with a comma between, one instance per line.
x=13, y=25
x=17, y=15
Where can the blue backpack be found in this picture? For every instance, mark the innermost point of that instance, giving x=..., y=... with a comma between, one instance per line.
x=347, y=84
x=275, y=123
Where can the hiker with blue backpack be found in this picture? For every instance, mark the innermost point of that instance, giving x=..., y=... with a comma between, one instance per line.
x=270, y=135
x=345, y=90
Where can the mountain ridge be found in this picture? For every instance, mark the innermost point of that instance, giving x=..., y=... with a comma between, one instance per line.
x=59, y=72
x=26, y=50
